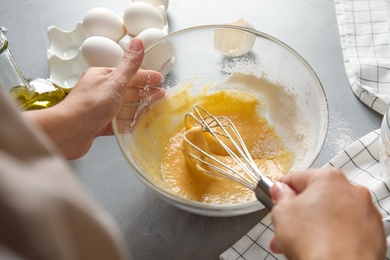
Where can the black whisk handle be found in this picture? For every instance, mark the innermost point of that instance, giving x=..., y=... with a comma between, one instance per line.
x=262, y=192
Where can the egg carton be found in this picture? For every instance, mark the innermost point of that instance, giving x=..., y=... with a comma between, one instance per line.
x=102, y=38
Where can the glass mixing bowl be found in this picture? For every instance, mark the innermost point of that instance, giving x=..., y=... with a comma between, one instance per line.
x=210, y=55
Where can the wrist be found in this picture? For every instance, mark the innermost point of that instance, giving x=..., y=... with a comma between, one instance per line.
x=61, y=126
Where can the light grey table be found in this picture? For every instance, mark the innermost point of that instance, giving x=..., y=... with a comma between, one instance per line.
x=152, y=228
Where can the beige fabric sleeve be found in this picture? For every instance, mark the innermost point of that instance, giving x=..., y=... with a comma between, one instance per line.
x=44, y=213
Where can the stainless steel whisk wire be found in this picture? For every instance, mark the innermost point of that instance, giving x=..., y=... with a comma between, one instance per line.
x=253, y=178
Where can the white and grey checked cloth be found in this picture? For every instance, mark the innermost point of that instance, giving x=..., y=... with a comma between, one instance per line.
x=365, y=41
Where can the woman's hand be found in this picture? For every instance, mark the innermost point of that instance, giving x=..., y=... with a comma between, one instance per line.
x=97, y=98
x=318, y=214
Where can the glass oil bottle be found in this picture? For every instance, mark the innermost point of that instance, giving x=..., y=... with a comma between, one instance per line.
x=30, y=94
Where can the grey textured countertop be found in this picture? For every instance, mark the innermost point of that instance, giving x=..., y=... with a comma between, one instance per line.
x=152, y=228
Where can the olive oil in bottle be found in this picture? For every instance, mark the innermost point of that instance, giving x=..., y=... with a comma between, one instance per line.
x=44, y=94
x=29, y=94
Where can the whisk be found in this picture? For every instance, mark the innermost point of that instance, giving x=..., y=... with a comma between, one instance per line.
x=222, y=130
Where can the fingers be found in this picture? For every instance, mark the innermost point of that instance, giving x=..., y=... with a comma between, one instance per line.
x=299, y=180
x=275, y=247
x=143, y=94
x=128, y=72
x=281, y=191
x=131, y=109
x=134, y=96
x=130, y=63
x=147, y=78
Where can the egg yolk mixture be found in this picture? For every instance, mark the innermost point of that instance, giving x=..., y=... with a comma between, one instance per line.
x=178, y=174
x=260, y=138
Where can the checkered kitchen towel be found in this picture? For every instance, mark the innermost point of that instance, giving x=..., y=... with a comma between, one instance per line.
x=359, y=162
x=365, y=41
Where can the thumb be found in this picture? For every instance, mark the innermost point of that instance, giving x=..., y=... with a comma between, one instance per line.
x=281, y=191
x=131, y=61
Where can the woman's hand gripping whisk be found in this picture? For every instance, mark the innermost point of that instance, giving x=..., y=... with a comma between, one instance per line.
x=221, y=137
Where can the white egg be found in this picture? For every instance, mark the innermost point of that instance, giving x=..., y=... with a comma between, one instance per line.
x=101, y=21
x=139, y=16
x=151, y=35
x=100, y=51
x=165, y=3
x=232, y=42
